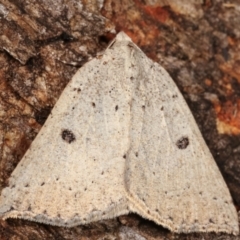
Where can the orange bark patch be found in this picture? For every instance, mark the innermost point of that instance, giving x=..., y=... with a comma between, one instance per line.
x=228, y=117
x=158, y=13
x=233, y=71
x=139, y=21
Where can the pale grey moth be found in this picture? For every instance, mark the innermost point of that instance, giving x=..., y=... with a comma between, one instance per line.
x=121, y=139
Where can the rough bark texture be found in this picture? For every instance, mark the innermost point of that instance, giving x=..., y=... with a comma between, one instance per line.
x=43, y=43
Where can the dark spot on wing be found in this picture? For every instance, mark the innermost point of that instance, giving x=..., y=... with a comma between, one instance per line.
x=77, y=89
x=211, y=221
x=116, y=107
x=68, y=136
x=93, y=104
x=182, y=143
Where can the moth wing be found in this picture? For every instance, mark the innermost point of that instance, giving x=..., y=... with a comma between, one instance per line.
x=73, y=173
x=171, y=176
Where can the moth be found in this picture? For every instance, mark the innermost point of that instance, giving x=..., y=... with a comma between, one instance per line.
x=121, y=139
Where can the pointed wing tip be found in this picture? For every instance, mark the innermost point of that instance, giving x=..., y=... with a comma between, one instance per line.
x=122, y=36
